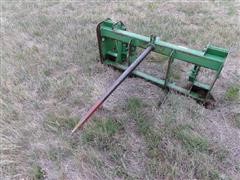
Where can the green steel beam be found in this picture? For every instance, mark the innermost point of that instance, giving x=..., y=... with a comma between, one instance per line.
x=117, y=47
x=157, y=81
x=200, y=58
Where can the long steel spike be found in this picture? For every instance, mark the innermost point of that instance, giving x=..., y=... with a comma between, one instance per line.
x=113, y=87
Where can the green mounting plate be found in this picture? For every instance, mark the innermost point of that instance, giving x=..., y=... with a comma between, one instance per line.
x=117, y=47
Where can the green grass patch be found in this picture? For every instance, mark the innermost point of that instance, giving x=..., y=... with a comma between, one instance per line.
x=56, y=123
x=232, y=11
x=101, y=132
x=37, y=33
x=191, y=140
x=134, y=104
x=146, y=129
x=38, y=173
x=105, y=127
x=106, y=135
x=135, y=109
x=47, y=72
x=232, y=93
x=143, y=122
x=152, y=6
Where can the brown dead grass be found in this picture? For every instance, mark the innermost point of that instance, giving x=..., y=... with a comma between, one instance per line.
x=50, y=76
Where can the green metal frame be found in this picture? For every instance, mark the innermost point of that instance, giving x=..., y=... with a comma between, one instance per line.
x=117, y=48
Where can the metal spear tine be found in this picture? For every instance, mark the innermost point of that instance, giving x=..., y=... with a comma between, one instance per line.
x=121, y=78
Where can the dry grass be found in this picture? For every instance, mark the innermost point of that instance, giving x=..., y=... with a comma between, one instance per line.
x=50, y=76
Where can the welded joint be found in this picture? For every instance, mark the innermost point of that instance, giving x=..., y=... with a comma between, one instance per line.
x=117, y=24
x=193, y=73
x=211, y=57
x=152, y=40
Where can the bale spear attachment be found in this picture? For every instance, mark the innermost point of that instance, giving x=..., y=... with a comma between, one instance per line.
x=121, y=78
x=118, y=48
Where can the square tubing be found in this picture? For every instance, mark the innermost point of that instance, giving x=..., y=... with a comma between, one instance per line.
x=211, y=57
x=156, y=81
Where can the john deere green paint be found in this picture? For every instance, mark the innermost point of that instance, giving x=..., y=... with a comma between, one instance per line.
x=117, y=48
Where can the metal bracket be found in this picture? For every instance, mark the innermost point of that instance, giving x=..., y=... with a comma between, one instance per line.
x=118, y=54
x=170, y=61
x=152, y=40
x=118, y=24
x=131, y=50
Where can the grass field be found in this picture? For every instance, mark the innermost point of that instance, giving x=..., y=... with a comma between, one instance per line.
x=50, y=76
